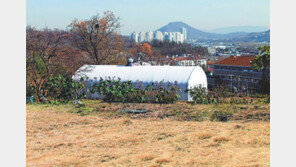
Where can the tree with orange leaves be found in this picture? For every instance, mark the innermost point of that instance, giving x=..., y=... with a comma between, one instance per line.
x=146, y=49
x=98, y=37
x=141, y=52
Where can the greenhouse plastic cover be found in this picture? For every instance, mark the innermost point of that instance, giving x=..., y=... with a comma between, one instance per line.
x=186, y=77
x=138, y=73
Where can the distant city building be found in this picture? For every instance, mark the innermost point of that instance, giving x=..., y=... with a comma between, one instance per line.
x=170, y=36
x=212, y=50
x=178, y=37
x=186, y=61
x=141, y=37
x=184, y=32
x=158, y=35
x=166, y=36
x=149, y=36
x=220, y=47
x=135, y=36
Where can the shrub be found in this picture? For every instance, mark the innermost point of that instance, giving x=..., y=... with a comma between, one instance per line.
x=220, y=93
x=199, y=95
x=62, y=90
x=115, y=90
x=223, y=116
x=264, y=100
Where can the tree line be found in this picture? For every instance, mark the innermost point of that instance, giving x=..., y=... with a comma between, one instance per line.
x=52, y=52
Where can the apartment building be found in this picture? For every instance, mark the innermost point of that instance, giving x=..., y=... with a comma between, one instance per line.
x=236, y=73
x=178, y=37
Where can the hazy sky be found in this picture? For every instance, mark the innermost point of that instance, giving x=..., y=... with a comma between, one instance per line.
x=144, y=15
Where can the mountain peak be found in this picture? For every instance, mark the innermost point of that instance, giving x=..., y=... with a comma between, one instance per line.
x=176, y=26
x=177, y=22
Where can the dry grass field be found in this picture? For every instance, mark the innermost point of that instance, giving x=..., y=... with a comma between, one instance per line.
x=59, y=138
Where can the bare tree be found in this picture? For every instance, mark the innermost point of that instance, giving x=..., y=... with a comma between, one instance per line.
x=98, y=37
x=41, y=50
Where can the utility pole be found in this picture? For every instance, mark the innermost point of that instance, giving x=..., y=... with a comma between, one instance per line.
x=238, y=83
x=247, y=85
x=231, y=82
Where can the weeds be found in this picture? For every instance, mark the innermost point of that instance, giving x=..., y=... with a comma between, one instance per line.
x=115, y=90
x=221, y=94
x=223, y=116
x=83, y=111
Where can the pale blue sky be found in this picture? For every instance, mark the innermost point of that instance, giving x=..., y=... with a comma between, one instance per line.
x=144, y=15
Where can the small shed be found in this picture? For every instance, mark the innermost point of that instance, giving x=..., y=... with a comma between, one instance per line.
x=186, y=77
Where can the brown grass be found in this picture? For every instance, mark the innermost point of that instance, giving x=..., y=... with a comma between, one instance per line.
x=204, y=135
x=56, y=138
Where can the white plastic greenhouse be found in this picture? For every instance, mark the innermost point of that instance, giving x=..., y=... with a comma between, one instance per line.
x=186, y=77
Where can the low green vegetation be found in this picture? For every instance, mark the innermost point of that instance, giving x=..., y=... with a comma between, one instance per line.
x=58, y=90
x=115, y=90
x=221, y=94
x=62, y=90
